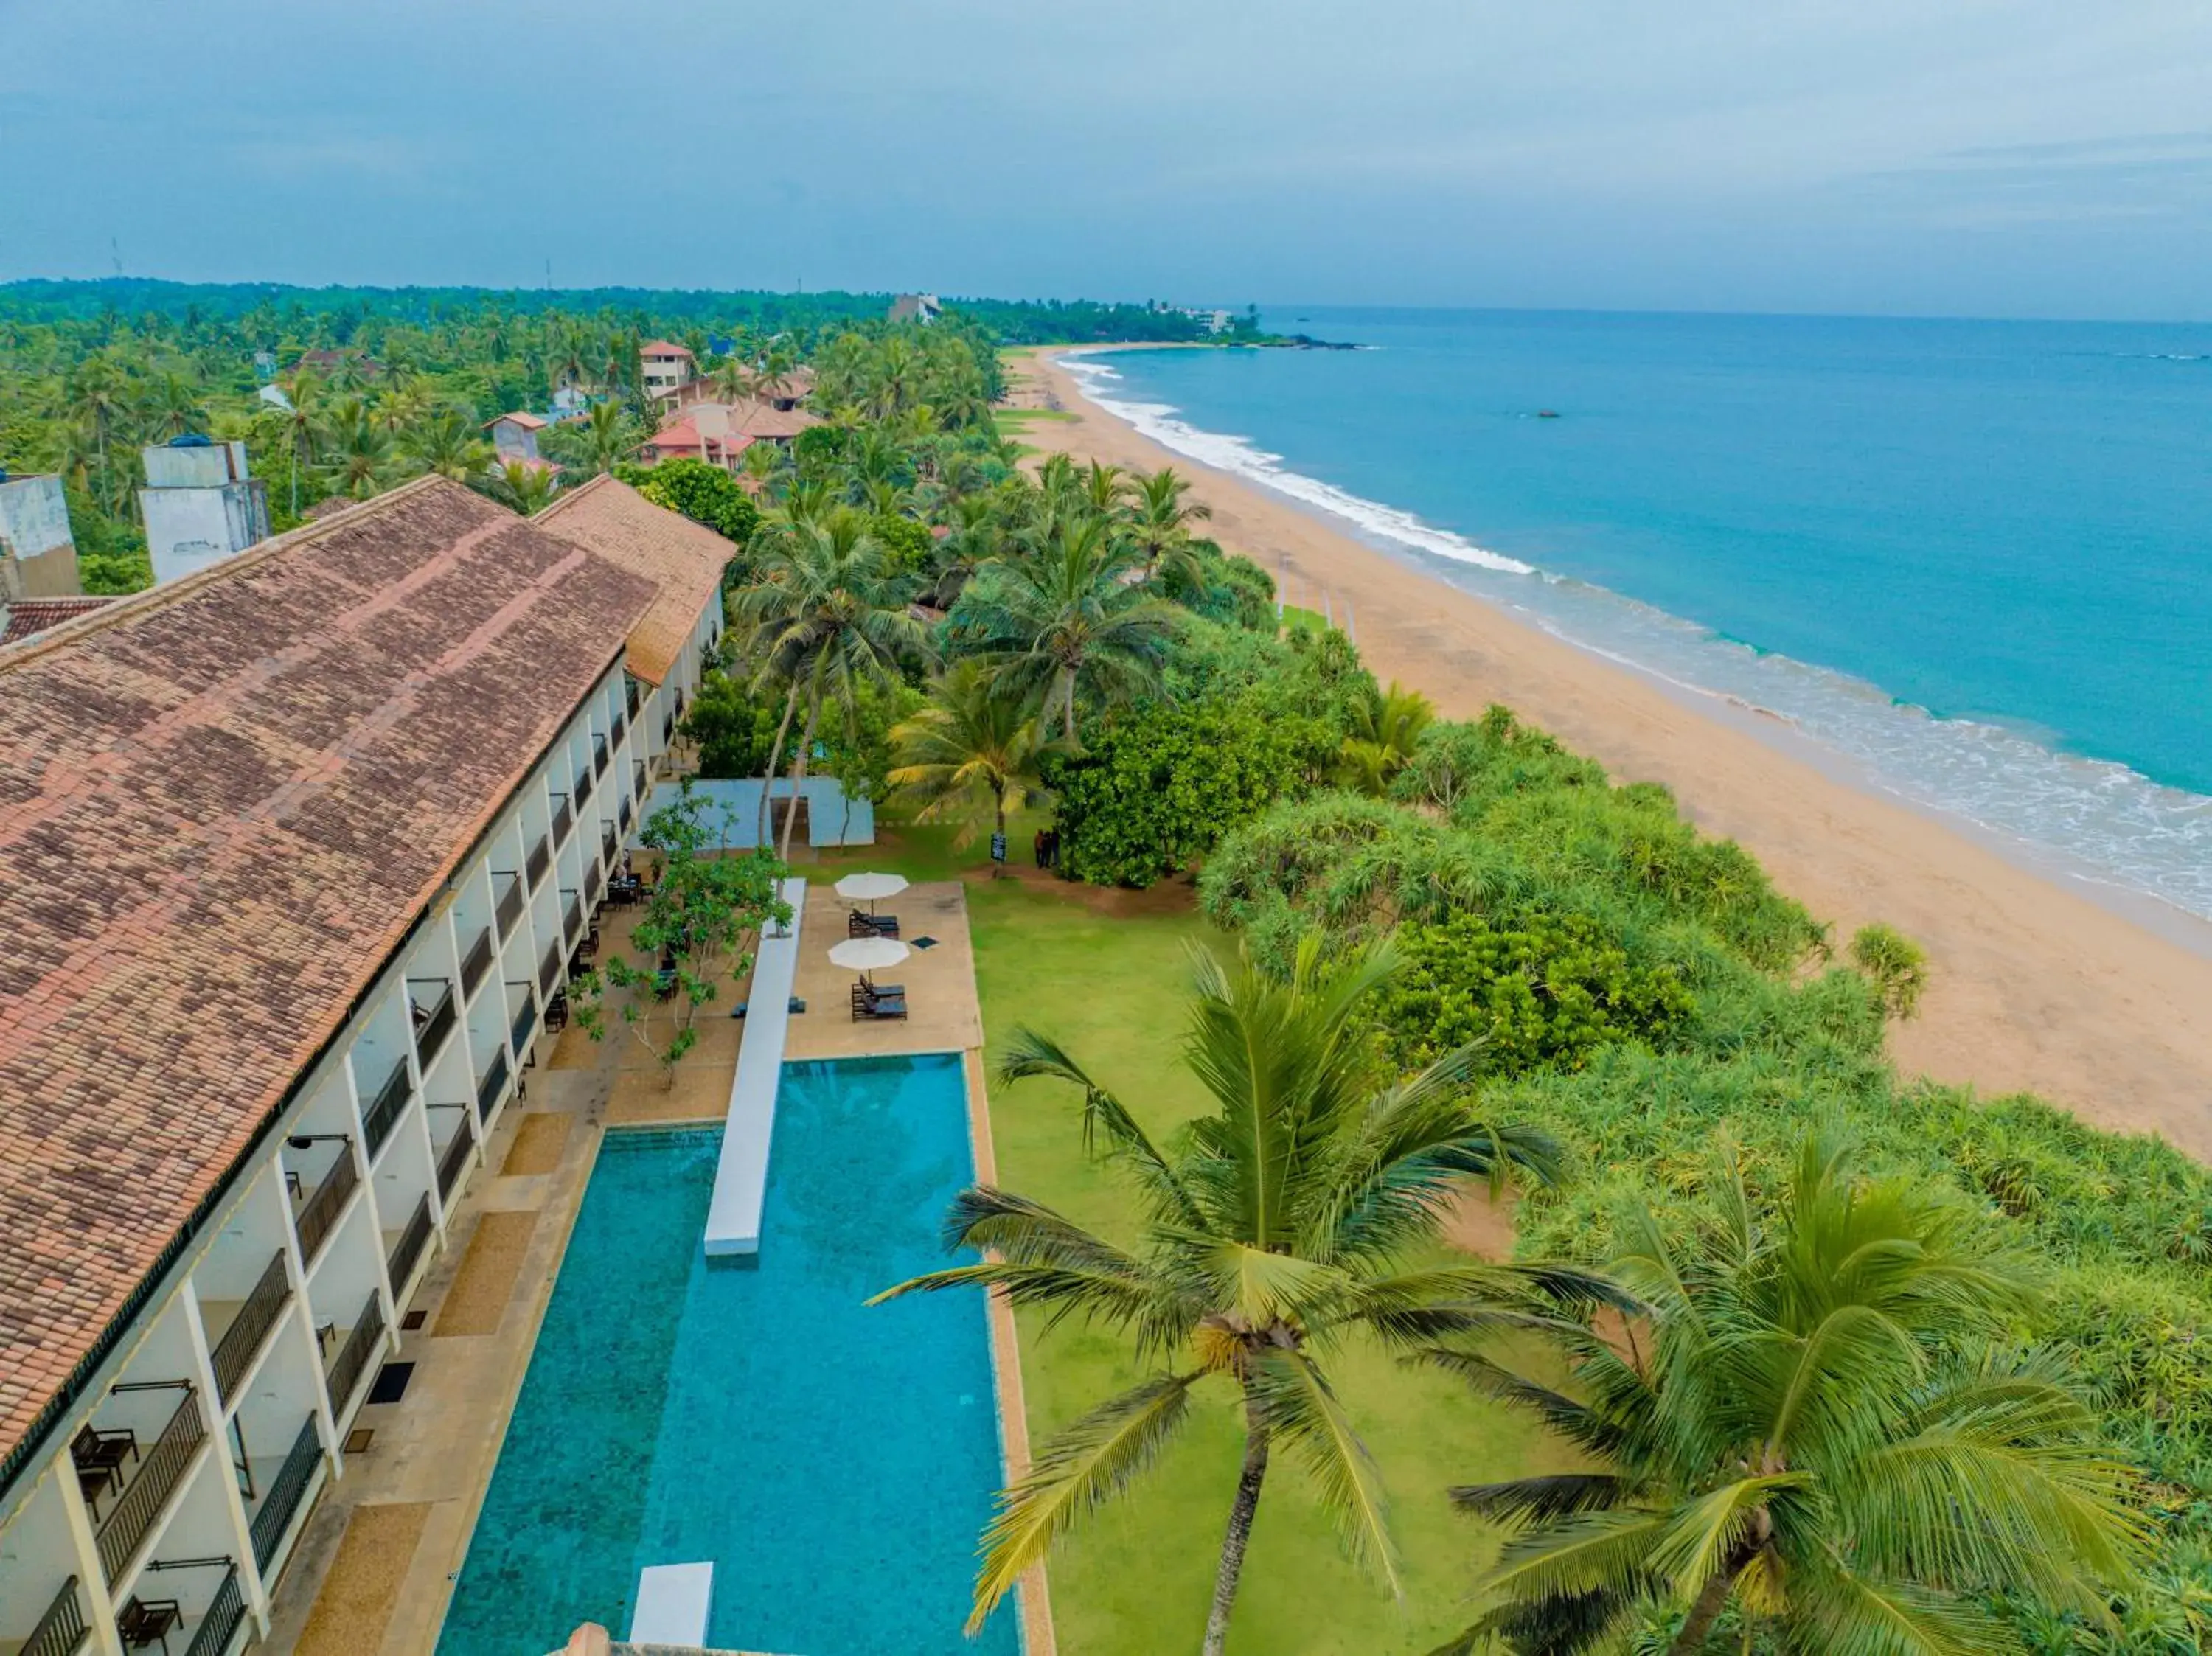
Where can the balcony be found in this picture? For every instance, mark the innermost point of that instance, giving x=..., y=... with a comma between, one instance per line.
x=477, y=960
x=234, y=1352
x=383, y=1112
x=585, y=783
x=285, y=1489
x=610, y=841
x=525, y=1017
x=319, y=1217
x=63, y=1630
x=591, y=886
x=637, y=780
x=625, y=814
x=615, y=734
x=541, y=858
x=571, y=915
x=407, y=1252
x=488, y=1087
x=600, y=756
x=549, y=969
x=353, y=1356
x=564, y=814
x=167, y=1461
x=630, y=695
x=510, y=903
x=453, y=1160
x=430, y=1007
x=219, y=1627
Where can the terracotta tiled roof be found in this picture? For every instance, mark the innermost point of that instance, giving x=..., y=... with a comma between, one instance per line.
x=223, y=804
x=661, y=348
x=683, y=559
x=527, y=422
x=27, y=617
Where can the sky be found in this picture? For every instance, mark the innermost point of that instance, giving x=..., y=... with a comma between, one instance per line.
x=1970, y=157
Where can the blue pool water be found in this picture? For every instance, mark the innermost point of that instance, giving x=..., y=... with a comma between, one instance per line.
x=836, y=1464
x=1976, y=557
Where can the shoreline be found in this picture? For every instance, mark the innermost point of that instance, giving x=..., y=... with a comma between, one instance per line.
x=2043, y=980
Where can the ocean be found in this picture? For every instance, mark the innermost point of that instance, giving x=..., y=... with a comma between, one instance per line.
x=1974, y=558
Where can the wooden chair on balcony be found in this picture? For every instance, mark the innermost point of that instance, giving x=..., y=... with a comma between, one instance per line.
x=150, y=1622
x=98, y=1457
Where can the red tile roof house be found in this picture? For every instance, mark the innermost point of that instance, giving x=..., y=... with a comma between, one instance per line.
x=291, y=850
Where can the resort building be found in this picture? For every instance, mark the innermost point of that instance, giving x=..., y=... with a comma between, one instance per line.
x=296, y=852
x=720, y=432
x=668, y=367
x=200, y=504
x=38, y=554
x=916, y=308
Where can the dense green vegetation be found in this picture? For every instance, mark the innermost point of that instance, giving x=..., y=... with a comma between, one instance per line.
x=400, y=381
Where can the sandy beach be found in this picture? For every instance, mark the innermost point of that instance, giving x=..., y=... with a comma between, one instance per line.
x=2036, y=985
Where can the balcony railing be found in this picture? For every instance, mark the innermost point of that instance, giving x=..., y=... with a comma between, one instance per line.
x=564, y=814
x=220, y=1625
x=526, y=1018
x=615, y=731
x=453, y=1160
x=377, y=1121
x=284, y=1492
x=610, y=840
x=354, y=1355
x=159, y=1474
x=488, y=1085
x=584, y=786
x=320, y=1214
x=433, y=1022
x=63, y=1630
x=541, y=858
x=630, y=695
x=637, y=780
x=407, y=1252
x=624, y=813
x=233, y=1353
x=477, y=960
x=510, y=902
x=549, y=969
x=572, y=914
x=592, y=885
x=600, y=756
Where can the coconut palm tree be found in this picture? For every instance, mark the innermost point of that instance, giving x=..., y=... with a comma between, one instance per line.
x=1160, y=518
x=973, y=748
x=1066, y=624
x=175, y=403
x=825, y=615
x=362, y=450
x=1276, y=1227
x=1386, y=727
x=522, y=487
x=1815, y=1428
x=601, y=440
x=445, y=442
x=1105, y=489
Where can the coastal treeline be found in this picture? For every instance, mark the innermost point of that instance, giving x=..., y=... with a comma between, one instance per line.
x=349, y=391
x=1853, y=1361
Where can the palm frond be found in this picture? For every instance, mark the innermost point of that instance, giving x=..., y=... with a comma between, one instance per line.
x=1077, y=1471
x=1301, y=1409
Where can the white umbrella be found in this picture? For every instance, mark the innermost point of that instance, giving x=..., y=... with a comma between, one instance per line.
x=867, y=887
x=867, y=953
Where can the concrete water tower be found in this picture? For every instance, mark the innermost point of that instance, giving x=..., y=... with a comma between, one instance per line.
x=200, y=505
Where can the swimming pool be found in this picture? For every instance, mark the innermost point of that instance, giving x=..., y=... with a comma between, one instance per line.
x=835, y=1464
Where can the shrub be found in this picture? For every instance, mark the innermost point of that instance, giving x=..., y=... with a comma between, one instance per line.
x=1548, y=990
x=1895, y=962
x=705, y=494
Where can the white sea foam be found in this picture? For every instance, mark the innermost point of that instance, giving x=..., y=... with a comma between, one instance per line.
x=2100, y=820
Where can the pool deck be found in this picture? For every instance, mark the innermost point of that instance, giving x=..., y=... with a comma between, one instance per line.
x=371, y=1573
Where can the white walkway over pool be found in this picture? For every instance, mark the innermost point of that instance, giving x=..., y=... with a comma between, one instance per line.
x=673, y=1601
x=741, y=1177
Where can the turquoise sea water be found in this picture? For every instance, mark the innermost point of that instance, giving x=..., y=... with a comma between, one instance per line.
x=1975, y=557
x=834, y=1463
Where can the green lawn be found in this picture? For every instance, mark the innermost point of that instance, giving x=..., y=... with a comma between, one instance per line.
x=1135, y=1580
